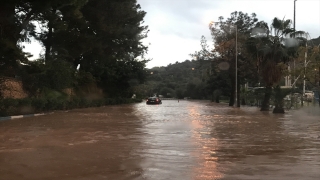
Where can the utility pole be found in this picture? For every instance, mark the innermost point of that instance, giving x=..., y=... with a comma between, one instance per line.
x=304, y=76
x=237, y=98
x=294, y=29
x=294, y=16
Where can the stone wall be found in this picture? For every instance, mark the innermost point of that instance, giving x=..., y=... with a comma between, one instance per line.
x=12, y=88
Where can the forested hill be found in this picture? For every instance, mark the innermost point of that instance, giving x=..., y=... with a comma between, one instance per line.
x=316, y=41
x=182, y=71
x=184, y=79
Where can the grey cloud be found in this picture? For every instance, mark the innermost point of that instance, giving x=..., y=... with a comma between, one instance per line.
x=188, y=14
x=184, y=10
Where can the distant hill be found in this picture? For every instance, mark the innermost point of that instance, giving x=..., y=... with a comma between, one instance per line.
x=181, y=79
x=179, y=72
x=315, y=41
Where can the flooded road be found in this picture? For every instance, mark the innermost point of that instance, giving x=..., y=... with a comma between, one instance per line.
x=189, y=140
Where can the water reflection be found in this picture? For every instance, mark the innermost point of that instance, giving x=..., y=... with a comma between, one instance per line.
x=94, y=143
x=221, y=142
x=207, y=164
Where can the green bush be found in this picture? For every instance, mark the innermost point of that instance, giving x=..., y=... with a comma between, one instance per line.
x=84, y=103
x=39, y=103
x=10, y=102
x=59, y=75
x=75, y=102
x=25, y=102
x=2, y=108
x=56, y=101
x=109, y=101
x=9, y=106
x=98, y=103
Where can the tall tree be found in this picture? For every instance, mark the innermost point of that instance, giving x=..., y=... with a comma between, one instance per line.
x=55, y=18
x=116, y=30
x=307, y=67
x=272, y=51
x=14, y=26
x=224, y=35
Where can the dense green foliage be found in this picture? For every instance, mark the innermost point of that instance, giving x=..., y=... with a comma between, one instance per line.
x=229, y=37
x=189, y=79
x=263, y=54
x=272, y=51
x=88, y=44
x=55, y=101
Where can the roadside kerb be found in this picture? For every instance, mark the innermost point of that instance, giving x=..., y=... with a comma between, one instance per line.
x=21, y=116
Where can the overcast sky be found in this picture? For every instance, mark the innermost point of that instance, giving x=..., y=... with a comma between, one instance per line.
x=176, y=26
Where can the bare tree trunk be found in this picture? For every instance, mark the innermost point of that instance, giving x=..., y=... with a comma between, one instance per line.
x=266, y=100
x=278, y=109
x=232, y=93
x=48, y=44
x=238, y=94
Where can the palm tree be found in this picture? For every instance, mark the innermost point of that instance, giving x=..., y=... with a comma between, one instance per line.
x=273, y=47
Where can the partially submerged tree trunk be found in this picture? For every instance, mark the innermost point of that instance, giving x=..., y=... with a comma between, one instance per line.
x=278, y=100
x=266, y=100
x=217, y=99
x=217, y=94
x=243, y=101
x=278, y=110
x=232, y=94
x=238, y=94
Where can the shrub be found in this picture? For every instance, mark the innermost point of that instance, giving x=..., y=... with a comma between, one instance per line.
x=55, y=101
x=8, y=106
x=25, y=102
x=84, y=103
x=74, y=102
x=39, y=103
x=59, y=75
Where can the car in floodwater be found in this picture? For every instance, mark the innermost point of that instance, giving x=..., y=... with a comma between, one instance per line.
x=153, y=100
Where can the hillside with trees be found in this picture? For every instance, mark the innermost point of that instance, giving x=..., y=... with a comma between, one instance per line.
x=185, y=79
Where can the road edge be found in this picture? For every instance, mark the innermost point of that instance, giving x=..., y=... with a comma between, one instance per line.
x=21, y=116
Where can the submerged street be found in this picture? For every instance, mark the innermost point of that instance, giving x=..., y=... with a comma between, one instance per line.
x=187, y=140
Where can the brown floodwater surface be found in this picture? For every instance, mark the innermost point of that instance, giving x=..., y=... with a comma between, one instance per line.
x=187, y=140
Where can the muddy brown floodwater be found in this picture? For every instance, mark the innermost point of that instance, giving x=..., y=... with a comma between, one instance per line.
x=186, y=140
